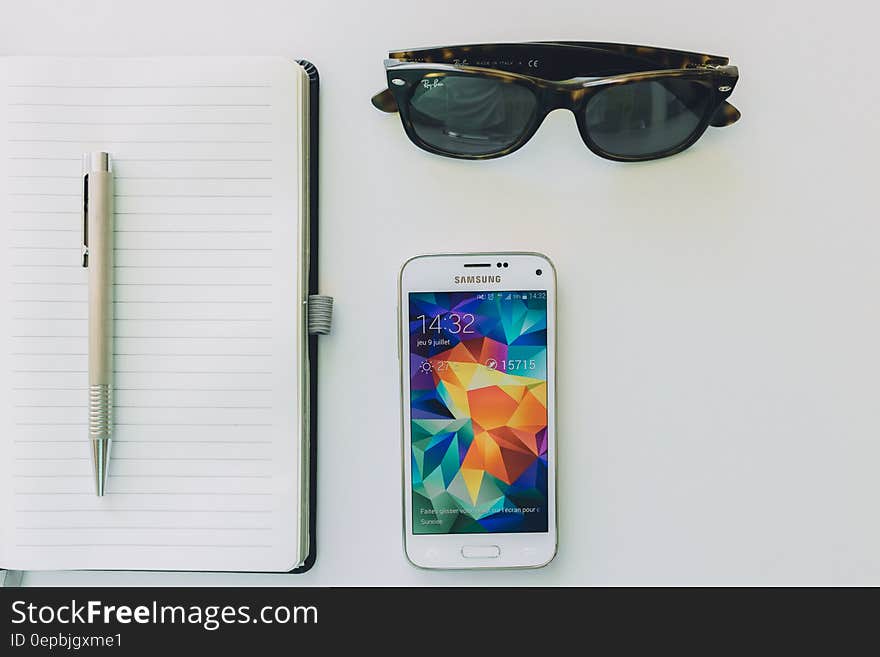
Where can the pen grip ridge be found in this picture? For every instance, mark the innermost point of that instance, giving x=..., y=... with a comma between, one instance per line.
x=100, y=411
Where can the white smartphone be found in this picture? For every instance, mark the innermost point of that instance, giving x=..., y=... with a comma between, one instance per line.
x=477, y=347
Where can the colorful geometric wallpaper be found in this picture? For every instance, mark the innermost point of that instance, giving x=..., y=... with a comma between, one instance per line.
x=478, y=382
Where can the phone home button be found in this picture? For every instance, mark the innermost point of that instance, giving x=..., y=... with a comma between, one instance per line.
x=480, y=551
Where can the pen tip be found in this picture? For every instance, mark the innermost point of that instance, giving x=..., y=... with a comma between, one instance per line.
x=101, y=461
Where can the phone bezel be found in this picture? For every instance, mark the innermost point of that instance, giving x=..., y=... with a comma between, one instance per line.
x=435, y=273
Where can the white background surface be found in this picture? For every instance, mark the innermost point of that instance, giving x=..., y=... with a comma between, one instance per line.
x=719, y=319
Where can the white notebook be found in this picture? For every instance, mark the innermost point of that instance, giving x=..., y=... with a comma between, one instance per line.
x=209, y=468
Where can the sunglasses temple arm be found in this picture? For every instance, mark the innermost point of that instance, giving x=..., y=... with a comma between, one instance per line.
x=725, y=115
x=384, y=100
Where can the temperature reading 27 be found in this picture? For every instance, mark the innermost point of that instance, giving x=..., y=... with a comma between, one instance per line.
x=455, y=323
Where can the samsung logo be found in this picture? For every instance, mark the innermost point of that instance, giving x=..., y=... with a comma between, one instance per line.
x=461, y=280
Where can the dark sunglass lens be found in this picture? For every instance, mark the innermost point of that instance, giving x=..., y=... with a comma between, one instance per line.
x=470, y=115
x=645, y=119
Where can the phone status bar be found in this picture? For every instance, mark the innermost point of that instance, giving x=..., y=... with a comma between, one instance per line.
x=511, y=296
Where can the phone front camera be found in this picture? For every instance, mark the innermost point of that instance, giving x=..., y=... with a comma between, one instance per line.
x=538, y=272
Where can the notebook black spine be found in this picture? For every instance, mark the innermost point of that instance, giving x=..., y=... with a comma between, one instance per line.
x=312, y=72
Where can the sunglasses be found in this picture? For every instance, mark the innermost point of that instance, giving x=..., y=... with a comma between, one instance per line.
x=631, y=103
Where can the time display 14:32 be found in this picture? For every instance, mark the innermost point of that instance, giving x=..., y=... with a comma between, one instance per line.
x=453, y=323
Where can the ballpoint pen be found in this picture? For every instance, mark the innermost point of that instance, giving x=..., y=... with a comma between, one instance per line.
x=97, y=253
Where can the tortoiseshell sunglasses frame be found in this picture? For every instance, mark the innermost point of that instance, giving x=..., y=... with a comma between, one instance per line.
x=576, y=71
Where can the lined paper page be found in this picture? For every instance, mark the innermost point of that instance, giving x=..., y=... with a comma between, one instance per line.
x=203, y=473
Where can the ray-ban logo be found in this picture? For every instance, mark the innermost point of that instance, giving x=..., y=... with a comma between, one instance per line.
x=461, y=280
x=432, y=83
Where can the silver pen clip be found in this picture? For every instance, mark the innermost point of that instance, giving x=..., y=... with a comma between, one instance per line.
x=98, y=161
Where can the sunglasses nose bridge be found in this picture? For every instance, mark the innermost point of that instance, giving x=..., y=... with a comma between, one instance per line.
x=564, y=97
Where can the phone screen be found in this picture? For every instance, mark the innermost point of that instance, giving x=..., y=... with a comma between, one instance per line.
x=478, y=400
